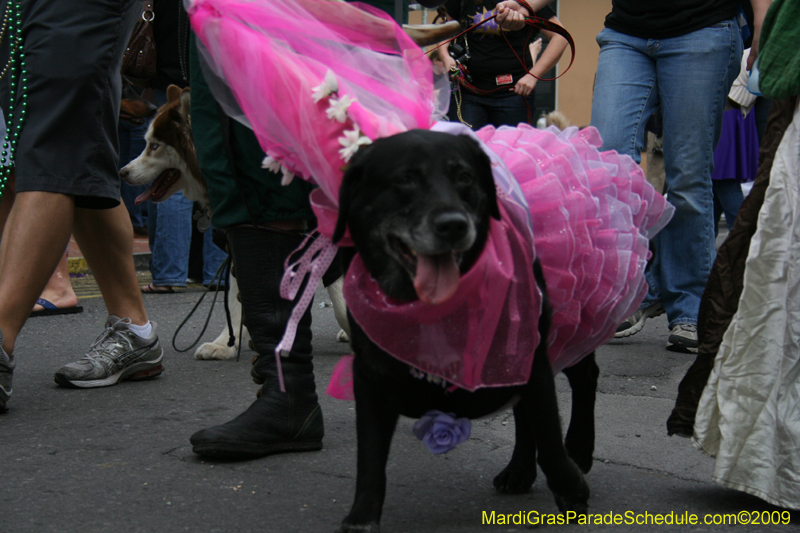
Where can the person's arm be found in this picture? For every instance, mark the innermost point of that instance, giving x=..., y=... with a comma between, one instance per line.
x=444, y=53
x=536, y=5
x=760, y=8
x=444, y=56
x=552, y=54
x=511, y=15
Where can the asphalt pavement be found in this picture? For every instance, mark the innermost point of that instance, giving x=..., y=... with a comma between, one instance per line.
x=119, y=458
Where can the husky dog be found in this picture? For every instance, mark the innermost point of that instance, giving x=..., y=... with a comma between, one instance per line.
x=169, y=164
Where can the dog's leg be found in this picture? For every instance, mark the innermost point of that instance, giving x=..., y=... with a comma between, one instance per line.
x=520, y=473
x=539, y=406
x=339, y=309
x=580, y=435
x=219, y=349
x=375, y=425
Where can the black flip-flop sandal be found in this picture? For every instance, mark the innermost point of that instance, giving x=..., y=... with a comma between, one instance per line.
x=151, y=289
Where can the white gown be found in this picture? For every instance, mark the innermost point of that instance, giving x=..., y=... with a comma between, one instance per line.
x=749, y=413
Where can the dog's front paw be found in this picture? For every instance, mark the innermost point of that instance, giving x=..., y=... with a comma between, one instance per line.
x=212, y=350
x=580, y=451
x=515, y=480
x=372, y=527
x=342, y=336
x=575, y=499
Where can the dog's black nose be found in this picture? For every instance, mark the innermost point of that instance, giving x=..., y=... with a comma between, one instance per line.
x=452, y=225
x=123, y=173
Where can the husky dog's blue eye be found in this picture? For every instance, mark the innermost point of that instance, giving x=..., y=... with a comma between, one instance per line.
x=154, y=146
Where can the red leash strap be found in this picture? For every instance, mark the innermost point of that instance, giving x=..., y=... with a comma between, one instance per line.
x=532, y=20
x=536, y=22
x=543, y=24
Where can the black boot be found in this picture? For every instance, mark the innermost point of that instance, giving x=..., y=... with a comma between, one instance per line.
x=277, y=421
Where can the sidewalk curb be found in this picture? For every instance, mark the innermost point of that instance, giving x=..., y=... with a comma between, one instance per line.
x=78, y=265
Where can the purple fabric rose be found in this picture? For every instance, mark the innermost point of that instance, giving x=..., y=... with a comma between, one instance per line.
x=441, y=432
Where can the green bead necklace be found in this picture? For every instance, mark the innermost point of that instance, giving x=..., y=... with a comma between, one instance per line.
x=18, y=81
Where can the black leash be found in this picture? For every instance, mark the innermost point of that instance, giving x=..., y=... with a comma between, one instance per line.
x=223, y=272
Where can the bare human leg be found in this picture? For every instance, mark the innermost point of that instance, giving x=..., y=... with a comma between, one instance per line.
x=105, y=237
x=36, y=234
x=58, y=290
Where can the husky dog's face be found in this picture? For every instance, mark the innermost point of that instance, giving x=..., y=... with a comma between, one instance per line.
x=169, y=161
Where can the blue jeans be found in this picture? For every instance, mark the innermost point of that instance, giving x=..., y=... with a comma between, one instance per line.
x=478, y=111
x=688, y=77
x=728, y=198
x=170, y=234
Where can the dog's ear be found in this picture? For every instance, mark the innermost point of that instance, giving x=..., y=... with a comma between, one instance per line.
x=350, y=183
x=185, y=103
x=483, y=167
x=173, y=93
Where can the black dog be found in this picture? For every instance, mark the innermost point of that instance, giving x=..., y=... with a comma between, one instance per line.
x=421, y=201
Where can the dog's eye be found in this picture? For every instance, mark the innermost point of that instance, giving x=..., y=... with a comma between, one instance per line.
x=463, y=179
x=154, y=146
x=404, y=180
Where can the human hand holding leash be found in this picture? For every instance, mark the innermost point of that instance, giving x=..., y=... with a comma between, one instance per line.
x=526, y=84
x=511, y=15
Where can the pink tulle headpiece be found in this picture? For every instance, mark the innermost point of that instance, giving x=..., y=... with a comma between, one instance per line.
x=316, y=80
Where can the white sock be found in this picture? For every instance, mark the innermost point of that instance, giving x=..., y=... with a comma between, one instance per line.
x=143, y=331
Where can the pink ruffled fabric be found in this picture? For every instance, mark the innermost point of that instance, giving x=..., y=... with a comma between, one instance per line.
x=592, y=214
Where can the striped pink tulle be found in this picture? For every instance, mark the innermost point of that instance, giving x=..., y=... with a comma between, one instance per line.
x=272, y=54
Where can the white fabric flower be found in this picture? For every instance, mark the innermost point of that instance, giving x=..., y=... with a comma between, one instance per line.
x=328, y=86
x=271, y=164
x=351, y=142
x=338, y=108
x=288, y=176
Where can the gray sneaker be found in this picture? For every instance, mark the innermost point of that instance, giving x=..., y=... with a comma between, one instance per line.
x=636, y=322
x=117, y=354
x=683, y=338
x=6, y=373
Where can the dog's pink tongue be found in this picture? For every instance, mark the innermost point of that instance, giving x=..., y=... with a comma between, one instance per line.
x=437, y=277
x=144, y=196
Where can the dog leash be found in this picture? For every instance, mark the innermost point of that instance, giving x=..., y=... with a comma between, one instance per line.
x=459, y=76
x=223, y=272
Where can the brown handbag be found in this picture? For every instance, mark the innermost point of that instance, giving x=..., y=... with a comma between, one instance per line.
x=139, y=59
